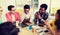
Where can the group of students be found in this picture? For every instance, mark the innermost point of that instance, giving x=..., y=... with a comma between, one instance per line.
x=40, y=19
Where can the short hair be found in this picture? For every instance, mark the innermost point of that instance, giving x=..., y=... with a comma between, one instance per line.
x=27, y=7
x=10, y=7
x=44, y=6
x=7, y=28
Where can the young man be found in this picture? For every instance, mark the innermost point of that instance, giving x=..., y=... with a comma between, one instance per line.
x=12, y=15
x=26, y=16
x=41, y=14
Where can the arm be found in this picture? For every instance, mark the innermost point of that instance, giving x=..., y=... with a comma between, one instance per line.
x=34, y=31
x=18, y=17
x=35, y=18
x=49, y=27
x=8, y=17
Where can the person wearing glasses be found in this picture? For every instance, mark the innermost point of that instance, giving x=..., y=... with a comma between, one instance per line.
x=12, y=15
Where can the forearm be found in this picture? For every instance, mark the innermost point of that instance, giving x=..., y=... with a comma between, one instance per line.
x=49, y=27
x=53, y=32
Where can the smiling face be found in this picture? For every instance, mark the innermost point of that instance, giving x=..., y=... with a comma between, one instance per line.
x=26, y=11
x=42, y=10
x=13, y=10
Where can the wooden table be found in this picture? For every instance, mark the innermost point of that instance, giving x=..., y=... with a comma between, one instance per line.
x=25, y=31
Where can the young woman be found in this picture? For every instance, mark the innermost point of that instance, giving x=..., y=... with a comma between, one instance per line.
x=56, y=23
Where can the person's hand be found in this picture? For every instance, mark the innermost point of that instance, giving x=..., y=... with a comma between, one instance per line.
x=39, y=17
x=26, y=20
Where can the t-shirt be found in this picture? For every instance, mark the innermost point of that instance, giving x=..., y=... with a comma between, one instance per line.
x=26, y=16
x=43, y=15
x=13, y=18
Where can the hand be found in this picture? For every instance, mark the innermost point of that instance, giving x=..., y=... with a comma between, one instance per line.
x=39, y=17
x=26, y=20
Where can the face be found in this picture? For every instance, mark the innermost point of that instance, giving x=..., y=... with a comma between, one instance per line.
x=13, y=10
x=26, y=11
x=1, y=11
x=56, y=16
x=41, y=10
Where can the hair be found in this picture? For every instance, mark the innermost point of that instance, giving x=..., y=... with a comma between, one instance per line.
x=58, y=12
x=27, y=7
x=57, y=22
x=7, y=28
x=44, y=6
x=10, y=7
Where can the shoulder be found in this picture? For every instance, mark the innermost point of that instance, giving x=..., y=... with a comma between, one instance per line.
x=16, y=12
x=46, y=13
x=7, y=13
x=53, y=23
x=36, y=13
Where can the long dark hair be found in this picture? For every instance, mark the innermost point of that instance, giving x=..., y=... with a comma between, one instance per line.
x=57, y=22
x=7, y=28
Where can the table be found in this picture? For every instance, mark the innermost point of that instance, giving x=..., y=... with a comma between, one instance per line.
x=25, y=31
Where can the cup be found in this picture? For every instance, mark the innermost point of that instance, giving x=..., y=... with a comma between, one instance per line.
x=30, y=27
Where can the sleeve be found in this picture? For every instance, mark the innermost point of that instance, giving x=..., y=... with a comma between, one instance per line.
x=7, y=17
x=22, y=17
x=35, y=18
x=19, y=17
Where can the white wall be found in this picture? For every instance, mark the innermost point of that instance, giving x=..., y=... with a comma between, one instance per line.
x=4, y=4
x=55, y=4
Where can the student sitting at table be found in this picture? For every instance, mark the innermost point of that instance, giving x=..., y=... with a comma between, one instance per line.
x=41, y=14
x=56, y=23
x=26, y=16
x=7, y=28
x=41, y=18
x=12, y=15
